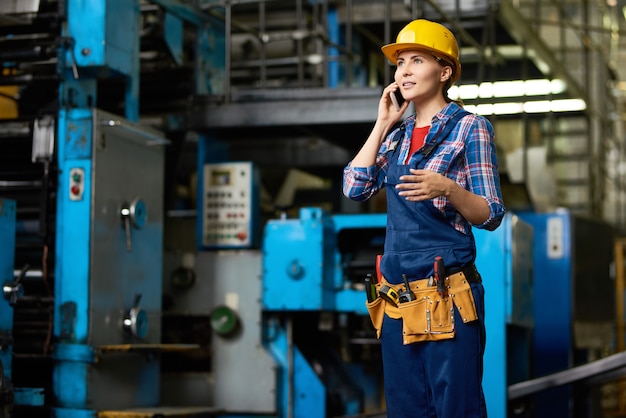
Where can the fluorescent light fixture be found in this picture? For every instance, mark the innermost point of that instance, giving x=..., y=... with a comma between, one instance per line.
x=513, y=88
x=536, y=106
x=539, y=106
x=516, y=89
x=465, y=91
x=568, y=105
x=507, y=108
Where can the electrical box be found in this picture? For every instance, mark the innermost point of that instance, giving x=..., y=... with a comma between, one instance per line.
x=229, y=215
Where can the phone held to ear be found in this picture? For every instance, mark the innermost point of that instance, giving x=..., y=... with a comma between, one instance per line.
x=397, y=99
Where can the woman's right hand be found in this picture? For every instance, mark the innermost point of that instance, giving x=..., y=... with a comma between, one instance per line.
x=386, y=110
x=386, y=119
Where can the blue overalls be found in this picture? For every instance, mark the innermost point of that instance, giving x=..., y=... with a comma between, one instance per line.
x=431, y=379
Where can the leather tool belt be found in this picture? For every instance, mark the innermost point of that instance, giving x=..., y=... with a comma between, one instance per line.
x=430, y=316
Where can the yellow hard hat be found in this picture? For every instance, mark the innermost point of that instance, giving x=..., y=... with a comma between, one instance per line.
x=430, y=36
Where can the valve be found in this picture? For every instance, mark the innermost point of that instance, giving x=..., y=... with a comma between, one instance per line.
x=13, y=291
x=136, y=320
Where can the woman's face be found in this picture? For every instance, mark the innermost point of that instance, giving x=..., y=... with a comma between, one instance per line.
x=420, y=76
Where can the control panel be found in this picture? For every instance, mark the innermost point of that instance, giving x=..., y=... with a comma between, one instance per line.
x=229, y=213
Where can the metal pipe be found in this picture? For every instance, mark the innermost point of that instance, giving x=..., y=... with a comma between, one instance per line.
x=262, y=51
x=387, y=39
x=349, y=58
x=227, y=50
x=290, y=367
x=25, y=79
x=325, y=70
x=299, y=44
x=596, y=368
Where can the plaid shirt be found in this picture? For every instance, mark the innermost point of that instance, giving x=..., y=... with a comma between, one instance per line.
x=467, y=156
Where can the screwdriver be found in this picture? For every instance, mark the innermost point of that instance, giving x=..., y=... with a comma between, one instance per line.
x=440, y=277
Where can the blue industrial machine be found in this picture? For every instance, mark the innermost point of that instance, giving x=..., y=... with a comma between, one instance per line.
x=108, y=291
x=316, y=264
x=574, y=305
x=505, y=261
x=289, y=320
x=291, y=317
x=10, y=291
x=107, y=296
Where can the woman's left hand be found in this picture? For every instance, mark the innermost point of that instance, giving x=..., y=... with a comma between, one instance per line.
x=423, y=185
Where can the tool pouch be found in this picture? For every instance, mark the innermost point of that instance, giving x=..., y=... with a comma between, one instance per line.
x=461, y=294
x=427, y=318
x=376, y=310
x=430, y=317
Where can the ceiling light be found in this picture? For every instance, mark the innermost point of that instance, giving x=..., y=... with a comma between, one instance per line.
x=537, y=106
x=513, y=88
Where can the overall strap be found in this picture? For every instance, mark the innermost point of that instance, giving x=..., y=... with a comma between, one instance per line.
x=428, y=150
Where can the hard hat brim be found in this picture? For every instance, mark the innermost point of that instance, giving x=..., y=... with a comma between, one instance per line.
x=391, y=52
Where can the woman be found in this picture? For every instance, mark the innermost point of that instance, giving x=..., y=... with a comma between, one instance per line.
x=440, y=173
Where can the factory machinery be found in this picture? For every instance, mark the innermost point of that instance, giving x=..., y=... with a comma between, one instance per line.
x=103, y=314
x=291, y=316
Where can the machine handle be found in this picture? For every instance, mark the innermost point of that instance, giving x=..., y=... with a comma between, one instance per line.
x=136, y=320
x=12, y=291
x=134, y=214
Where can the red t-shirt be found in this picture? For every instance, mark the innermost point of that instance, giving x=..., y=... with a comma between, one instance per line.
x=417, y=140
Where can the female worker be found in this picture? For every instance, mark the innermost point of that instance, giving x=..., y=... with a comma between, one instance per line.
x=440, y=173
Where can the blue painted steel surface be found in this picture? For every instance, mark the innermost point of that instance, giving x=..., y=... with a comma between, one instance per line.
x=332, y=20
x=349, y=298
x=492, y=263
x=73, y=228
x=297, y=263
x=303, y=267
x=303, y=271
x=505, y=264
x=99, y=42
x=72, y=413
x=210, y=67
x=174, y=36
x=72, y=267
x=300, y=392
x=553, y=339
x=100, y=49
x=29, y=396
x=7, y=260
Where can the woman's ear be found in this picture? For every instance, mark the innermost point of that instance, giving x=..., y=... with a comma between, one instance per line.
x=446, y=73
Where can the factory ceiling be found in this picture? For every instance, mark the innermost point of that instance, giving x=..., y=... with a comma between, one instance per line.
x=498, y=42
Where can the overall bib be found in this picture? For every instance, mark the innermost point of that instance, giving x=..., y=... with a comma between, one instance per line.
x=435, y=378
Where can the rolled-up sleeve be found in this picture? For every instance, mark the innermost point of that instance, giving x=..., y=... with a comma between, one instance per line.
x=482, y=171
x=360, y=183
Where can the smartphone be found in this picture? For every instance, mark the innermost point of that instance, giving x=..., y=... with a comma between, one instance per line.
x=397, y=99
